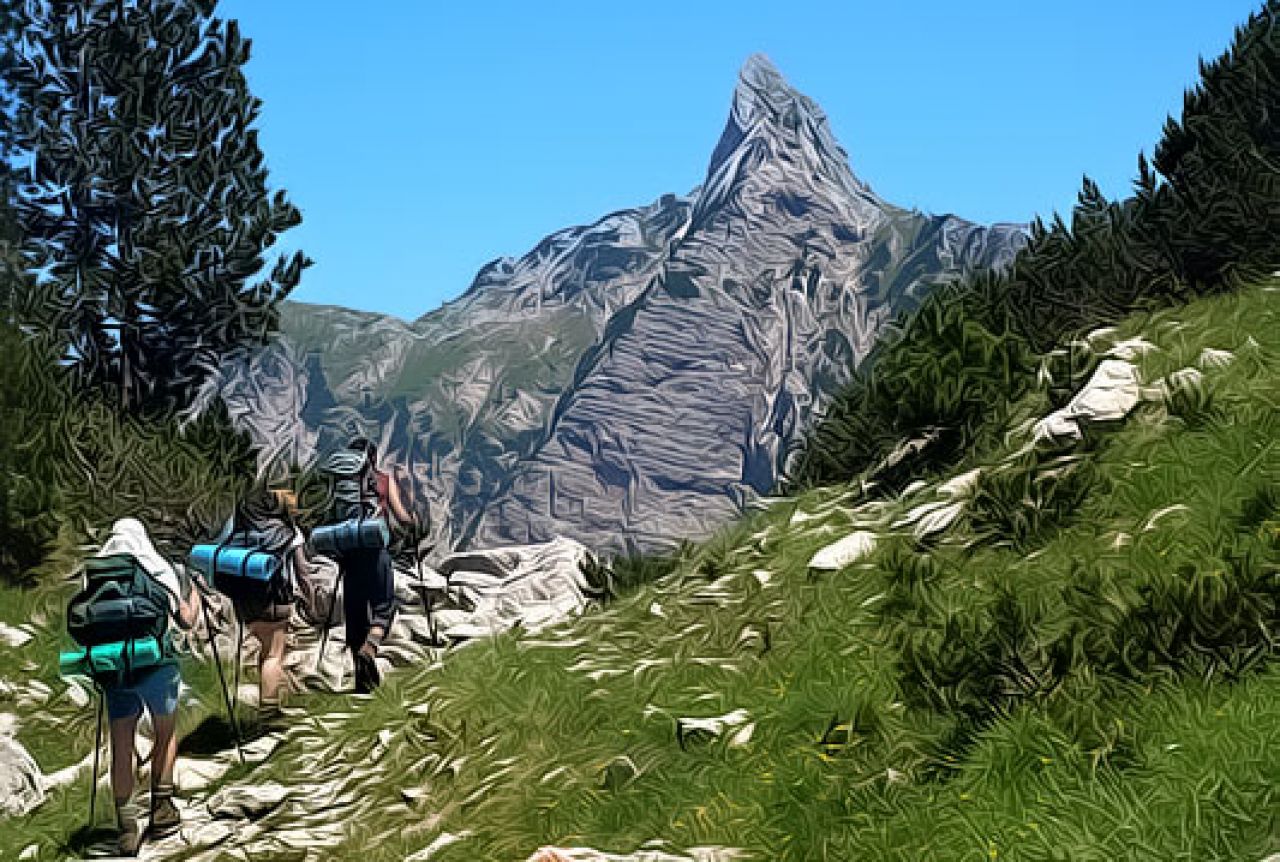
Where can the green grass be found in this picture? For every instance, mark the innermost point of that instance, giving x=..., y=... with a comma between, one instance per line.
x=1078, y=670
x=1097, y=687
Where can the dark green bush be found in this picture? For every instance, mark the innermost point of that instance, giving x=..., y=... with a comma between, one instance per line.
x=70, y=464
x=1021, y=503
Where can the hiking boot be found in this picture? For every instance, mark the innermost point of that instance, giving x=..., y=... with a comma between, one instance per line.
x=165, y=817
x=367, y=676
x=129, y=837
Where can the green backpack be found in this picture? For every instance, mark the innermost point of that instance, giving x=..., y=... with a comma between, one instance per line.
x=121, y=618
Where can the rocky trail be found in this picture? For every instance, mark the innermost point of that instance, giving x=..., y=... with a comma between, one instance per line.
x=468, y=596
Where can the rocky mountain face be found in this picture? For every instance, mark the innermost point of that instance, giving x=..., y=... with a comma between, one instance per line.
x=635, y=381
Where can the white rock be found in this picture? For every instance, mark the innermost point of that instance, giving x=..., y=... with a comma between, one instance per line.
x=1109, y=396
x=1111, y=393
x=1213, y=358
x=8, y=724
x=195, y=773
x=742, y=735
x=21, y=783
x=78, y=694
x=14, y=637
x=850, y=549
x=1058, y=429
x=1155, y=517
x=533, y=585
x=961, y=486
x=931, y=518
x=914, y=487
x=246, y=802
x=1099, y=337
x=689, y=729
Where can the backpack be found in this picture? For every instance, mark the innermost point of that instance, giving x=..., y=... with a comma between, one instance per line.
x=271, y=537
x=355, y=489
x=120, y=605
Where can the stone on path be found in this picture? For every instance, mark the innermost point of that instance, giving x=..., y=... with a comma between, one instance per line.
x=246, y=802
x=21, y=782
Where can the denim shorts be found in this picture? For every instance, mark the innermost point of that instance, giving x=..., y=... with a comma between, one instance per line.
x=156, y=689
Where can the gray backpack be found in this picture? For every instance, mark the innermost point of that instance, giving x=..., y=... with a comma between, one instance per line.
x=355, y=489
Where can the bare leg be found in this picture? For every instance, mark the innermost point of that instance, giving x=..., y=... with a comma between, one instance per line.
x=165, y=753
x=122, y=779
x=122, y=782
x=271, y=638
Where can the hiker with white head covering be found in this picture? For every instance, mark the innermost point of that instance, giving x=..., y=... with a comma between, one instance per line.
x=154, y=687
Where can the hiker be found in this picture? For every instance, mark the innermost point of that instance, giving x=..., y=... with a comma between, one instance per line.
x=154, y=688
x=263, y=521
x=361, y=493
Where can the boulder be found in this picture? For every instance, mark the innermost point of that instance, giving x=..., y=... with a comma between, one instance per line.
x=1109, y=396
x=848, y=550
x=533, y=585
x=21, y=782
x=736, y=726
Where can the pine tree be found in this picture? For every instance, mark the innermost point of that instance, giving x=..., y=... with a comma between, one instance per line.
x=1222, y=161
x=146, y=210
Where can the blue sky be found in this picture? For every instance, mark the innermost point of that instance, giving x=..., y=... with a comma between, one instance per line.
x=422, y=139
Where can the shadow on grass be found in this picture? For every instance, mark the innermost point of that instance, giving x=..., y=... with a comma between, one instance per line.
x=214, y=735
x=92, y=842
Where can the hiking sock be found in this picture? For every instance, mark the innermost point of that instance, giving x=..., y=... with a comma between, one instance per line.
x=165, y=817
x=129, y=838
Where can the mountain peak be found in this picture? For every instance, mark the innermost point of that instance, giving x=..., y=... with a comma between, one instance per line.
x=791, y=126
x=762, y=91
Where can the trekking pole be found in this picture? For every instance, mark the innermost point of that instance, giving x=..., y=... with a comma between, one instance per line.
x=222, y=680
x=422, y=581
x=235, y=690
x=328, y=617
x=97, y=752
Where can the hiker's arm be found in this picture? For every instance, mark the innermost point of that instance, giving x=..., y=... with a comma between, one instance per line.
x=403, y=515
x=302, y=567
x=189, y=606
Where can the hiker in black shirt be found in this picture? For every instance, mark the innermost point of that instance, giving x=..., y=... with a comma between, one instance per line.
x=369, y=594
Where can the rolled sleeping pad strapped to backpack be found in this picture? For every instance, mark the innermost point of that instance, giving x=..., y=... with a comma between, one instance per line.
x=213, y=560
x=353, y=535
x=111, y=659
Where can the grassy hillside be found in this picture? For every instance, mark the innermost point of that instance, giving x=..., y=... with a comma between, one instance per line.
x=1079, y=667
